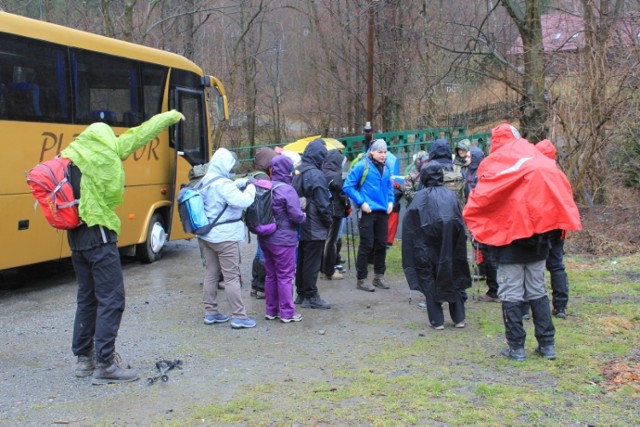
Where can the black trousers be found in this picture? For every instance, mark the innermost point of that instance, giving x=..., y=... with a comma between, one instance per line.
x=373, y=240
x=436, y=314
x=559, y=282
x=309, y=260
x=331, y=247
x=100, y=299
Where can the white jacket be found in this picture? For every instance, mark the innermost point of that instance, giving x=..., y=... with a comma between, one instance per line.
x=225, y=191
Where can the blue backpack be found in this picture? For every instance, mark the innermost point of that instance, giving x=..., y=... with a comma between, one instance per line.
x=191, y=210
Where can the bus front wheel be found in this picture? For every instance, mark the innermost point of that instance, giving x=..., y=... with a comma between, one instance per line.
x=151, y=250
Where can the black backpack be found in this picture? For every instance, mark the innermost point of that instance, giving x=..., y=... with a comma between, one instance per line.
x=259, y=215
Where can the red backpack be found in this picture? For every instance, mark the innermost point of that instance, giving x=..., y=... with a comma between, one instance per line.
x=50, y=185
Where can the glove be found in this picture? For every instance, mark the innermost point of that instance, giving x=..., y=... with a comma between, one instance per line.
x=241, y=183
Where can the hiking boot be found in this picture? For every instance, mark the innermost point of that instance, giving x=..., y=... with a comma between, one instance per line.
x=526, y=316
x=210, y=319
x=295, y=318
x=560, y=313
x=316, y=302
x=242, y=323
x=111, y=372
x=299, y=299
x=488, y=298
x=340, y=268
x=363, y=285
x=335, y=276
x=546, y=351
x=379, y=282
x=85, y=365
x=422, y=305
x=516, y=354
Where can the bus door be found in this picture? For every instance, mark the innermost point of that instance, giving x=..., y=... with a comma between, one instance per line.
x=191, y=146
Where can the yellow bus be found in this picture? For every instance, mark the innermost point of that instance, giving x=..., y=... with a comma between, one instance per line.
x=54, y=81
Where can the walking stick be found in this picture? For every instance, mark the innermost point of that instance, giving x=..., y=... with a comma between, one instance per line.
x=353, y=239
x=346, y=224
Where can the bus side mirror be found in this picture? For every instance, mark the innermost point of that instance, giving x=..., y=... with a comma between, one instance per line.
x=221, y=96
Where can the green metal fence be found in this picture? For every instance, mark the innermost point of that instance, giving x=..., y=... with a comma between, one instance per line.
x=401, y=143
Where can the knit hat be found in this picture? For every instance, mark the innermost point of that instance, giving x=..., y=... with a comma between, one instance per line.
x=378, y=145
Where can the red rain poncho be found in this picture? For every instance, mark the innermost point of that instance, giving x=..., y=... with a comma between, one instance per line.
x=520, y=192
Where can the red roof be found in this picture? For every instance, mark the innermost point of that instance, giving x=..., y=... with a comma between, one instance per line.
x=562, y=32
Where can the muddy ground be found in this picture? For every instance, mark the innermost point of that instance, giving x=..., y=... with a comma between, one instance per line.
x=163, y=320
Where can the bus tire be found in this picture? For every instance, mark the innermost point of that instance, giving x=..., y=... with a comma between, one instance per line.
x=151, y=250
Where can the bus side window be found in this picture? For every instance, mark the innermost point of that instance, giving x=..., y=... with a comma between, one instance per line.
x=23, y=100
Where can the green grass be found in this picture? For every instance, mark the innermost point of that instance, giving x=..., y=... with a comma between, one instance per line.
x=456, y=379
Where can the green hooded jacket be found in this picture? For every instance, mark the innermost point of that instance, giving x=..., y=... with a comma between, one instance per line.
x=98, y=153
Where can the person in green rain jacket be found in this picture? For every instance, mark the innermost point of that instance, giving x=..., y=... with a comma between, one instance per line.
x=97, y=177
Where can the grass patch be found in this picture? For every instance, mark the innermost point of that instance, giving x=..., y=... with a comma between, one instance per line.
x=456, y=377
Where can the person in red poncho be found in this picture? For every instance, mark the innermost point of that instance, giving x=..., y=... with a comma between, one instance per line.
x=521, y=196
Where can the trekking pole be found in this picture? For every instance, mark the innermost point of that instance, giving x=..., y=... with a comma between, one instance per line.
x=346, y=223
x=353, y=238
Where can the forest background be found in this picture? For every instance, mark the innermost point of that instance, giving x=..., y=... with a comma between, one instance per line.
x=562, y=69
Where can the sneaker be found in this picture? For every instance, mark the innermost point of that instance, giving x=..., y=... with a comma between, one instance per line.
x=422, y=305
x=85, y=365
x=461, y=325
x=295, y=318
x=299, y=299
x=516, y=354
x=488, y=298
x=335, y=276
x=316, y=302
x=363, y=285
x=526, y=316
x=379, y=282
x=260, y=295
x=438, y=328
x=271, y=316
x=560, y=314
x=242, y=323
x=210, y=319
x=340, y=268
x=111, y=373
x=546, y=351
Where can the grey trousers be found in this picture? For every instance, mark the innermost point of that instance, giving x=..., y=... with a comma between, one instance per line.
x=521, y=282
x=225, y=257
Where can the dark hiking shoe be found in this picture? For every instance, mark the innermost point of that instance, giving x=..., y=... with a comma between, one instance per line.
x=560, y=314
x=111, y=373
x=516, y=354
x=363, y=285
x=315, y=302
x=299, y=299
x=85, y=365
x=546, y=351
x=526, y=316
x=488, y=298
x=379, y=282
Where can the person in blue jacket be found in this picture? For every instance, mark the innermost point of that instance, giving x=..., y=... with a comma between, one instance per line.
x=369, y=186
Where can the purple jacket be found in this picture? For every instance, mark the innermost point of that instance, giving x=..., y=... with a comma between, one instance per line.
x=285, y=204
